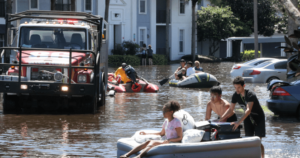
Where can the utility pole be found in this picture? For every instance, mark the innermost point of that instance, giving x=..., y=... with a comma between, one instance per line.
x=193, y=28
x=8, y=33
x=255, y=29
x=167, y=29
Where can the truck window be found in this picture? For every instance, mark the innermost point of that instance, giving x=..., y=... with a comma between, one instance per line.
x=53, y=37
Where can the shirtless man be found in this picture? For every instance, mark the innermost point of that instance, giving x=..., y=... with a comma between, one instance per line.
x=218, y=105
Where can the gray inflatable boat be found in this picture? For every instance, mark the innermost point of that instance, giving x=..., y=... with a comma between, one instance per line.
x=197, y=80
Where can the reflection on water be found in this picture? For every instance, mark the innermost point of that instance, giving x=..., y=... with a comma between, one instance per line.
x=96, y=135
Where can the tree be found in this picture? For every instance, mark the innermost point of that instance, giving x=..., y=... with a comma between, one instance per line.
x=243, y=9
x=292, y=10
x=215, y=24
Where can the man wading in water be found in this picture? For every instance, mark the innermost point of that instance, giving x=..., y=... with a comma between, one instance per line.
x=254, y=117
x=218, y=105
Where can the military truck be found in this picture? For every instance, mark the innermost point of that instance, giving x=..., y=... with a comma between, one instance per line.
x=55, y=63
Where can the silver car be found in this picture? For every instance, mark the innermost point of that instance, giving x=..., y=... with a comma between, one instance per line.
x=266, y=71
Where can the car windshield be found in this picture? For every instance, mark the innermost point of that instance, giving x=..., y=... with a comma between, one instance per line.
x=250, y=61
x=53, y=37
x=263, y=64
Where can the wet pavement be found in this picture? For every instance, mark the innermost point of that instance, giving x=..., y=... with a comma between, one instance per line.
x=88, y=135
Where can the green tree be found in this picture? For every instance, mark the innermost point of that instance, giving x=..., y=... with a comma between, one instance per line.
x=215, y=24
x=243, y=9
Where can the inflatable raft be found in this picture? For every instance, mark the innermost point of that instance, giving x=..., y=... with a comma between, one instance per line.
x=143, y=86
x=197, y=80
x=227, y=143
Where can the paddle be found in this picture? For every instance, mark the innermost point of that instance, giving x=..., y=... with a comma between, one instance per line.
x=163, y=81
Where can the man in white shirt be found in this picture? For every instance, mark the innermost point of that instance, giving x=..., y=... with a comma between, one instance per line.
x=190, y=70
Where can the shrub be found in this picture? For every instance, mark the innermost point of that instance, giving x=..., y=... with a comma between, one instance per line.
x=126, y=48
x=117, y=60
x=118, y=50
x=249, y=55
x=159, y=59
x=130, y=47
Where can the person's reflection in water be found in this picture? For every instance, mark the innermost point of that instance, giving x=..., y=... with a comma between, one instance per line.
x=65, y=132
x=24, y=134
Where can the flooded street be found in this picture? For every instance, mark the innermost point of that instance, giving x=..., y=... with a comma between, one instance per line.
x=96, y=135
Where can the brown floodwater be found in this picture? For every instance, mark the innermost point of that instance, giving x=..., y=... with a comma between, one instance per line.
x=88, y=135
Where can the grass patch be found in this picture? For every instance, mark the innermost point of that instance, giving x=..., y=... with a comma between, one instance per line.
x=265, y=109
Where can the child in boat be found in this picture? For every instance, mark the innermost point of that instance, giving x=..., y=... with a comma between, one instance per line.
x=218, y=105
x=171, y=128
x=181, y=75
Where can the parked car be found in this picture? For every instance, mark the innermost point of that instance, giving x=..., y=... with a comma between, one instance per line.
x=267, y=71
x=237, y=69
x=284, y=97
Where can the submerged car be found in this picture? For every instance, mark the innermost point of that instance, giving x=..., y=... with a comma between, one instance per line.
x=267, y=71
x=284, y=97
x=237, y=69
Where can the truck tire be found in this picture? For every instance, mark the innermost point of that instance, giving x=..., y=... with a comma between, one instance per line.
x=102, y=89
x=9, y=105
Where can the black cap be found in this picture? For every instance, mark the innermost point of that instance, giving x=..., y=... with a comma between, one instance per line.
x=189, y=62
x=182, y=60
x=124, y=65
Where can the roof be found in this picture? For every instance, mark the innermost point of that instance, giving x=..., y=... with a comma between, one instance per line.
x=271, y=39
x=37, y=14
x=55, y=25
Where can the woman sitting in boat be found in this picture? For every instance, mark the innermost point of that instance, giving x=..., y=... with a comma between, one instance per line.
x=181, y=75
x=197, y=67
x=171, y=129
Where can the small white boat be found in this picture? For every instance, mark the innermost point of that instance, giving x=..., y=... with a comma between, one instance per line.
x=227, y=144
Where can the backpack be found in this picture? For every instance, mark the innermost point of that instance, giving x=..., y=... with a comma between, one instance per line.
x=144, y=52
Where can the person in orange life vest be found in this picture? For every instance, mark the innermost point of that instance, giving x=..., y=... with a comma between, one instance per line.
x=121, y=71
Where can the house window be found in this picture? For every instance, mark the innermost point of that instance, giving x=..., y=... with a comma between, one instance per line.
x=34, y=4
x=182, y=6
x=181, y=35
x=2, y=8
x=143, y=9
x=142, y=36
x=88, y=5
x=1, y=40
x=63, y=5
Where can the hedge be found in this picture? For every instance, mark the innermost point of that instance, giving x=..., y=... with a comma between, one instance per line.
x=249, y=55
x=117, y=60
x=134, y=60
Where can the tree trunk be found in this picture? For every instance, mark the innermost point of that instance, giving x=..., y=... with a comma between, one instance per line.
x=106, y=10
x=255, y=29
x=52, y=4
x=292, y=25
x=72, y=5
x=291, y=6
x=167, y=29
x=193, y=28
x=8, y=11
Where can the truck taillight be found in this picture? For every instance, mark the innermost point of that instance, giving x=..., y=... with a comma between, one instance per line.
x=58, y=70
x=280, y=92
x=255, y=72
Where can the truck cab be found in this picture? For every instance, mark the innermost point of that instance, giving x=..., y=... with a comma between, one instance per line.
x=54, y=63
